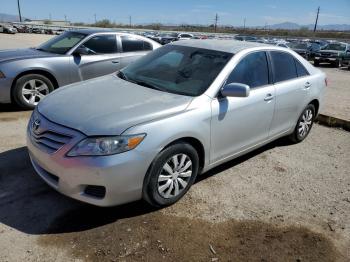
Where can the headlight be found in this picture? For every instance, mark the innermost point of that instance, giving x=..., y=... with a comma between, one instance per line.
x=103, y=146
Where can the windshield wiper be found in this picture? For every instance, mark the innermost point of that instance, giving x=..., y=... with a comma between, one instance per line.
x=145, y=84
x=122, y=75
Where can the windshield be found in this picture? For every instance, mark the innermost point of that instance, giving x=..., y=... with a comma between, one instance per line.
x=297, y=45
x=63, y=43
x=338, y=47
x=177, y=69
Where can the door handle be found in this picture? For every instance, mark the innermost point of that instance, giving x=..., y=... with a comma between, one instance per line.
x=307, y=85
x=115, y=62
x=268, y=97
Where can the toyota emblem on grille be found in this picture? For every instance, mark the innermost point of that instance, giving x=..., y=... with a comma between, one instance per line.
x=36, y=125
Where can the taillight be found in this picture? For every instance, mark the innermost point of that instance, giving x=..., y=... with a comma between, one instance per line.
x=326, y=81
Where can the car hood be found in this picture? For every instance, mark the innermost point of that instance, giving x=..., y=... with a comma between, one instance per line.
x=26, y=53
x=109, y=105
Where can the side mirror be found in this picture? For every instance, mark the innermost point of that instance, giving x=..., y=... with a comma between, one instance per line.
x=81, y=50
x=235, y=90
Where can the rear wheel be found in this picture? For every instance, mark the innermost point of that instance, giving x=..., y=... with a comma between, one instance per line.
x=316, y=63
x=304, y=124
x=171, y=175
x=30, y=89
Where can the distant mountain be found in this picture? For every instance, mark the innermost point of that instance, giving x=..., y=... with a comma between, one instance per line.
x=9, y=18
x=294, y=26
x=285, y=25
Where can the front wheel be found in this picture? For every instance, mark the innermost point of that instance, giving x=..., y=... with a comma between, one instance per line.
x=304, y=124
x=30, y=89
x=171, y=175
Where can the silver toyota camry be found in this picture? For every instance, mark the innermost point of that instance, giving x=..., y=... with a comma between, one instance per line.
x=150, y=129
x=28, y=75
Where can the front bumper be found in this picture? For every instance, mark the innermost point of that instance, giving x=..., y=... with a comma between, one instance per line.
x=326, y=59
x=5, y=90
x=121, y=175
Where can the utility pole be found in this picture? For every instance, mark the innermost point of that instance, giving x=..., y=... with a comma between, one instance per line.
x=216, y=22
x=50, y=16
x=244, y=24
x=318, y=12
x=130, y=21
x=95, y=18
x=19, y=11
x=65, y=18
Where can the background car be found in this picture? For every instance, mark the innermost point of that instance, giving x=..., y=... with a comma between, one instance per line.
x=184, y=36
x=28, y=75
x=332, y=53
x=8, y=29
x=302, y=48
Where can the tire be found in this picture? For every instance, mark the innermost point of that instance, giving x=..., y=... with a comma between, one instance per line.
x=304, y=124
x=337, y=63
x=159, y=187
x=316, y=63
x=35, y=87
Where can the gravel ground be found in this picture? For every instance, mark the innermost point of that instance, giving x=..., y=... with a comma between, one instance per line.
x=337, y=102
x=280, y=203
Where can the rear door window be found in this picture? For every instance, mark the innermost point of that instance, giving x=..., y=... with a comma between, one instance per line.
x=133, y=44
x=252, y=70
x=283, y=66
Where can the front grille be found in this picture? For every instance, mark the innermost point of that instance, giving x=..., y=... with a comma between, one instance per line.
x=50, y=141
x=95, y=191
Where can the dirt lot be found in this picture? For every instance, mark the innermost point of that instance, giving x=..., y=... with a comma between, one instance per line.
x=280, y=203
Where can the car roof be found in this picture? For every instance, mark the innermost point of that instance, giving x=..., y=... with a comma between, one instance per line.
x=90, y=31
x=228, y=46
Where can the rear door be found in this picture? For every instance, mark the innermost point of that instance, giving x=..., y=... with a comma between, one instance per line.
x=132, y=48
x=103, y=59
x=240, y=123
x=292, y=84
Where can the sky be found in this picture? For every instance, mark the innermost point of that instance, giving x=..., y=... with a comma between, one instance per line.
x=230, y=12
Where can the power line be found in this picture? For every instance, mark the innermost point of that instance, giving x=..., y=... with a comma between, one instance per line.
x=318, y=12
x=19, y=11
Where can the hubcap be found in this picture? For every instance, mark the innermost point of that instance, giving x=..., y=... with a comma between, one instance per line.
x=33, y=91
x=305, y=123
x=174, y=176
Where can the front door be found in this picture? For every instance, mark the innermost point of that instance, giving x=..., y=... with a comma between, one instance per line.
x=103, y=58
x=240, y=123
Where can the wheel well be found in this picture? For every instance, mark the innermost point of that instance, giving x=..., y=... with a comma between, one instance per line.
x=316, y=105
x=198, y=146
x=39, y=72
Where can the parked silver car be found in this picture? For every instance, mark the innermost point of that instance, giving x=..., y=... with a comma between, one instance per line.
x=147, y=131
x=28, y=75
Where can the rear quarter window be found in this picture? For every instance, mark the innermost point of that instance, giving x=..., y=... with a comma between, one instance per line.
x=301, y=70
